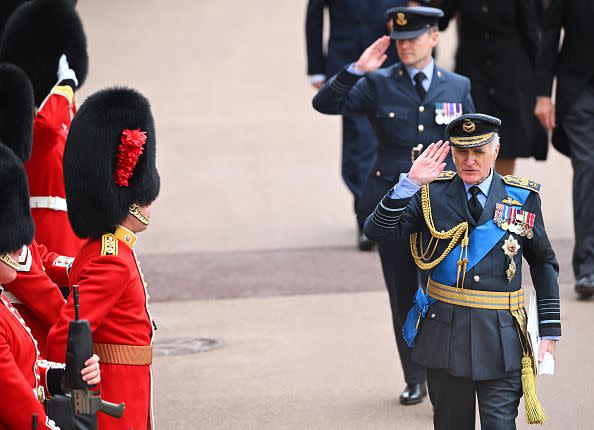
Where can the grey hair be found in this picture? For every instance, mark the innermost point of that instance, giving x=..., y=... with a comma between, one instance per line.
x=495, y=141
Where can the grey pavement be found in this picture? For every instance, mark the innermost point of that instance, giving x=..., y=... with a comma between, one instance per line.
x=252, y=239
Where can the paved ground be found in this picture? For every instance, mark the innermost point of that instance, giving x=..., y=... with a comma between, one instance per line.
x=251, y=240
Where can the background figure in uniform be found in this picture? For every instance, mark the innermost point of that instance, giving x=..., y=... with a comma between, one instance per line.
x=45, y=38
x=35, y=292
x=109, y=204
x=497, y=46
x=25, y=377
x=354, y=25
x=472, y=337
x=400, y=102
x=572, y=116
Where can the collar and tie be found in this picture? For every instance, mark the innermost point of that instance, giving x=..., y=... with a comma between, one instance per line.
x=419, y=78
x=474, y=205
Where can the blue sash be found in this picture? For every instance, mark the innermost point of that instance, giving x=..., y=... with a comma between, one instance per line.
x=482, y=239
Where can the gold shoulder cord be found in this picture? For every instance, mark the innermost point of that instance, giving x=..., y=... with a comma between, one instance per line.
x=423, y=261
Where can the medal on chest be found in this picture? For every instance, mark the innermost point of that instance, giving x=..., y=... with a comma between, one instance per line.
x=513, y=219
x=510, y=248
x=446, y=112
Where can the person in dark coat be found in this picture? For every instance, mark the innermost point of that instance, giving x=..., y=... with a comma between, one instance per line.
x=354, y=25
x=472, y=326
x=572, y=116
x=408, y=105
x=497, y=48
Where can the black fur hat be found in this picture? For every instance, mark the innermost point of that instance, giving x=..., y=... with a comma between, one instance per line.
x=103, y=173
x=7, y=7
x=16, y=223
x=37, y=34
x=17, y=109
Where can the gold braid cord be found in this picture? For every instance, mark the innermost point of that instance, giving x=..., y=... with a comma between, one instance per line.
x=423, y=256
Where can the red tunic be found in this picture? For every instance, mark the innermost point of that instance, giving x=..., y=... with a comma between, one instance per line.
x=45, y=172
x=113, y=297
x=35, y=292
x=22, y=373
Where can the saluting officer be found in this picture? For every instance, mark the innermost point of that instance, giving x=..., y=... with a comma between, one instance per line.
x=408, y=104
x=471, y=230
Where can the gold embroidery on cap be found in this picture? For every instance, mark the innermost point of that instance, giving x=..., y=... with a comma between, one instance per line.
x=401, y=19
x=468, y=126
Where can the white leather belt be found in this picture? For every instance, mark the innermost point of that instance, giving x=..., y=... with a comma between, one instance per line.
x=50, y=202
x=11, y=298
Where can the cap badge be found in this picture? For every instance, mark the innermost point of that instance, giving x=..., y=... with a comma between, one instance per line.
x=468, y=126
x=401, y=19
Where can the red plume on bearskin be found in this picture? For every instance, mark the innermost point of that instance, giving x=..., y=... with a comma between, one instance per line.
x=128, y=153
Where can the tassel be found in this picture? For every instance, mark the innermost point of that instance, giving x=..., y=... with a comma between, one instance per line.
x=535, y=414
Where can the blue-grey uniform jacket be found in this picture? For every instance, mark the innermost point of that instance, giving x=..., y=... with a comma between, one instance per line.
x=476, y=343
x=400, y=120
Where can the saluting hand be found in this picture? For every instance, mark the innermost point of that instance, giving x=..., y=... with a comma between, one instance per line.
x=430, y=163
x=374, y=56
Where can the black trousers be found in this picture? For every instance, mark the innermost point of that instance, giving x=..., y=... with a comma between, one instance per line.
x=359, y=148
x=578, y=125
x=402, y=281
x=454, y=401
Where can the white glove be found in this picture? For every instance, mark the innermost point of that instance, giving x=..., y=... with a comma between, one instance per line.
x=64, y=70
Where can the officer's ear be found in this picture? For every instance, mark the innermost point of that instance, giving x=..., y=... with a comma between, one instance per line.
x=433, y=36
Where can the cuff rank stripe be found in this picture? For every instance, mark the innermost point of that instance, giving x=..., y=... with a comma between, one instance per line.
x=383, y=224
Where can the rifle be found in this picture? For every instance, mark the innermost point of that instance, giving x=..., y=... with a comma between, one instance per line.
x=85, y=402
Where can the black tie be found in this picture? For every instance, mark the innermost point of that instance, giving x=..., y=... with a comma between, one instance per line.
x=475, y=207
x=419, y=78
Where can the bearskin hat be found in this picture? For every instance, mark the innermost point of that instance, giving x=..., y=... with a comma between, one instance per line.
x=37, y=34
x=16, y=222
x=17, y=109
x=109, y=160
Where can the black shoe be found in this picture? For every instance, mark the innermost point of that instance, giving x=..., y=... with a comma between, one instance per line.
x=413, y=394
x=364, y=243
x=585, y=286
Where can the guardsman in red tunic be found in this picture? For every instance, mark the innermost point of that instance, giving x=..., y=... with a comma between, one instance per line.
x=34, y=293
x=26, y=380
x=109, y=204
x=41, y=37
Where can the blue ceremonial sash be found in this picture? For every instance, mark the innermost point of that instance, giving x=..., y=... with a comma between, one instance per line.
x=480, y=242
x=421, y=304
x=482, y=239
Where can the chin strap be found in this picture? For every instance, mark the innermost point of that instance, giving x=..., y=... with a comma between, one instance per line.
x=5, y=258
x=135, y=211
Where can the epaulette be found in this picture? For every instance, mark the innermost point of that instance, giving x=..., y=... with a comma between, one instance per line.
x=109, y=244
x=516, y=181
x=446, y=175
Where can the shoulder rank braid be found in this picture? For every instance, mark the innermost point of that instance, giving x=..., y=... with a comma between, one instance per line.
x=526, y=183
x=446, y=175
x=423, y=260
x=109, y=244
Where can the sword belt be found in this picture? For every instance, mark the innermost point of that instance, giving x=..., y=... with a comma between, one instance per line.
x=511, y=301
